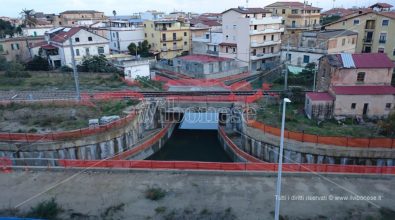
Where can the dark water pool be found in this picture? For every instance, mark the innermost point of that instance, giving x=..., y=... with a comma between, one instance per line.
x=192, y=145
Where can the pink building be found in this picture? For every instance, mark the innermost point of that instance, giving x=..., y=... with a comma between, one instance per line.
x=359, y=84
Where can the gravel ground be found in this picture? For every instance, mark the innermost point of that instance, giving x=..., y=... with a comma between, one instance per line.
x=190, y=195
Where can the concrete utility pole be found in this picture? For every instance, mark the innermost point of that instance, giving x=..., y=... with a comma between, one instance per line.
x=286, y=68
x=77, y=83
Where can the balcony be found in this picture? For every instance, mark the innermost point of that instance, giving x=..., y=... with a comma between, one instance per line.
x=266, y=20
x=263, y=44
x=297, y=26
x=368, y=40
x=171, y=39
x=262, y=56
x=266, y=31
x=213, y=52
x=305, y=49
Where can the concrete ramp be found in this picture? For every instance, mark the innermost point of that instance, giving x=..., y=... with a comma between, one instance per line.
x=200, y=121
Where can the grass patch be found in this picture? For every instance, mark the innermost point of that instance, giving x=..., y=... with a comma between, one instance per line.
x=297, y=121
x=155, y=193
x=45, y=210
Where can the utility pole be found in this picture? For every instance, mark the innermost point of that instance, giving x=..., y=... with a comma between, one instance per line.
x=77, y=84
x=286, y=67
x=315, y=76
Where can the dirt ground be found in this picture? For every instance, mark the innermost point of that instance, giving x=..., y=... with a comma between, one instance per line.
x=42, y=118
x=92, y=194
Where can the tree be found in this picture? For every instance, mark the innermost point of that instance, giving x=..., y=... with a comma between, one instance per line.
x=330, y=19
x=28, y=18
x=142, y=49
x=16, y=70
x=97, y=64
x=3, y=63
x=6, y=29
x=37, y=64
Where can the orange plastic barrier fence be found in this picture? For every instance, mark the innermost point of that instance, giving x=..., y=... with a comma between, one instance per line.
x=142, y=146
x=327, y=140
x=28, y=137
x=192, y=165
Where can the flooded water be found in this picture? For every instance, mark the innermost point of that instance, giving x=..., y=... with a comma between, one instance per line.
x=192, y=145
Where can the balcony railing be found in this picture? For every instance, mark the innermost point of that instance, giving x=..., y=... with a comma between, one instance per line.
x=266, y=31
x=306, y=49
x=266, y=20
x=261, y=56
x=213, y=52
x=265, y=43
x=382, y=41
x=170, y=39
x=368, y=40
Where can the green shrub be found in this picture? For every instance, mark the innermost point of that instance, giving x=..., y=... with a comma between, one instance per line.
x=46, y=210
x=38, y=64
x=16, y=70
x=66, y=69
x=154, y=193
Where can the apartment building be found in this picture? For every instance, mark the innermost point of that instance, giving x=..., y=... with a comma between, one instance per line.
x=168, y=38
x=56, y=47
x=352, y=85
x=18, y=48
x=79, y=18
x=252, y=36
x=206, y=40
x=374, y=29
x=297, y=16
x=310, y=46
x=123, y=31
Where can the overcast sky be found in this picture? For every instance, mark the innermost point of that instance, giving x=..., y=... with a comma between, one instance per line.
x=12, y=8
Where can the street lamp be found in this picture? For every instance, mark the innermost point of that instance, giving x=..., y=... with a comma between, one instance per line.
x=280, y=163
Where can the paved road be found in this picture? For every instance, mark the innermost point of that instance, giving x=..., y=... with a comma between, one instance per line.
x=247, y=196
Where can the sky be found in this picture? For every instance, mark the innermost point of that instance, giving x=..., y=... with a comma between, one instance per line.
x=12, y=8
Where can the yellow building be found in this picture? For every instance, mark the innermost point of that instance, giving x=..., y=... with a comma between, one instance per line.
x=297, y=16
x=168, y=38
x=375, y=31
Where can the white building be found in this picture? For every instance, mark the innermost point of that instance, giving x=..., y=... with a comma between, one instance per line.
x=131, y=68
x=36, y=31
x=85, y=43
x=152, y=15
x=252, y=36
x=206, y=40
x=124, y=31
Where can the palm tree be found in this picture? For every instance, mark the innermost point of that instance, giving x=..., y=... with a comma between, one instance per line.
x=28, y=18
x=114, y=13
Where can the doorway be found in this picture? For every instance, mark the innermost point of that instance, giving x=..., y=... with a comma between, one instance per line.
x=365, y=109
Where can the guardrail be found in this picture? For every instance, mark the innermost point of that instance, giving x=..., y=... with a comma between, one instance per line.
x=326, y=140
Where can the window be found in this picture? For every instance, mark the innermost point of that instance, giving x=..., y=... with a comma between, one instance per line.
x=255, y=27
x=77, y=39
x=356, y=22
x=234, y=50
x=272, y=37
x=1, y=48
x=264, y=37
x=380, y=50
x=353, y=105
x=393, y=52
x=145, y=25
x=185, y=34
x=361, y=77
x=343, y=41
x=87, y=51
x=383, y=38
x=289, y=56
x=385, y=22
x=174, y=36
x=164, y=45
x=344, y=23
x=306, y=59
x=100, y=50
x=207, y=36
x=145, y=34
x=294, y=11
x=227, y=50
x=271, y=49
x=185, y=43
x=387, y=106
x=283, y=11
x=152, y=35
x=353, y=41
x=90, y=39
x=12, y=47
x=164, y=37
x=77, y=52
x=17, y=46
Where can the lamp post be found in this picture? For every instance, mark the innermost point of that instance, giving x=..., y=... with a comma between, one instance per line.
x=280, y=163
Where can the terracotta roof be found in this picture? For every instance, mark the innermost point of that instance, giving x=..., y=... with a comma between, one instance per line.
x=203, y=58
x=372, y=60
x=298, y=5
x=62, y=36
x=390, y=14
x=48, y=47
x=319, y=96
x=363, y=90
x=381, y=5
x=228, y=44
x=80, y=12
x=39, y=44
x=360, y=60
x=248, y=10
